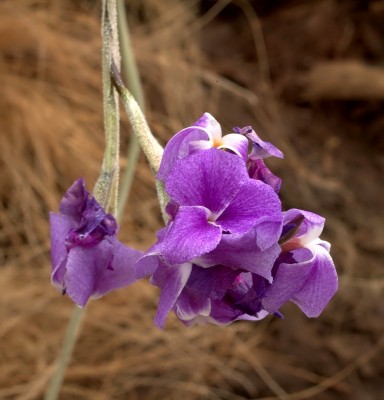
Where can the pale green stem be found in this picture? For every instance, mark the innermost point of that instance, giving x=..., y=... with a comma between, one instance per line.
x=132, y=77
x=148, y=143
x=106, y=188
x=71, y=335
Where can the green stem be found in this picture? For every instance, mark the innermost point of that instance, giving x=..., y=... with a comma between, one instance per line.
x=132, y=77
x=106, y=188
x=71, y=335
x=147, y=141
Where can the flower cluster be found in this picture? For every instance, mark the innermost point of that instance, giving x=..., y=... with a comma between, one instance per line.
x=229, y=252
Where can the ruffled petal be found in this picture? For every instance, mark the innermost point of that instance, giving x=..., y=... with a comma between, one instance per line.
x=210, y=178
x=171, y=279
x=60, y=226
x=74, y=200
x=253, y=202
x=289, y=280
x=190, y=235
x=321, y=284
x=120, y=272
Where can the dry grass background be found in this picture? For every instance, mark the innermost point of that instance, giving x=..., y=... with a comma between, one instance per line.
x=191, y=61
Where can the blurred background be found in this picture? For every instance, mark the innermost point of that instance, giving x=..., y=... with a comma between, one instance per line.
x=309, y=77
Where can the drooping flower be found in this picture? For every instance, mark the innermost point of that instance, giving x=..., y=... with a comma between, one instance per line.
x=304, y=273
x=217, y=208
x=87, y=258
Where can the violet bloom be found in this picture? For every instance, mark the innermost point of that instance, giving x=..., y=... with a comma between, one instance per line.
x=304, y=273
x=220, y=215
x=88, y=260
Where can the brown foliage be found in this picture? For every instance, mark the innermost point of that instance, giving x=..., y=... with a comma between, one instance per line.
x=246, y=71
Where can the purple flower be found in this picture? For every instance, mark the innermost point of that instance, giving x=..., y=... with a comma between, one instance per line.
x=87, y=259
x=304, y=273
x=219, y=215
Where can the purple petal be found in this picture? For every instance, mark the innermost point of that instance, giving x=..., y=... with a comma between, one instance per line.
x=210, y=178
x=321, y=284
x=189, y=140
x=74, y=200
x=253, y=202
x=241, y=252
x=258, y=170
x=289, y=280
x=120, y=272
x=95, y=271
x=171, y=280
x=190, y=235
x=60, y=226
x=236, y=143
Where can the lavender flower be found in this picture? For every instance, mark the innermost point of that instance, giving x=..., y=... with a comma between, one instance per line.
x=229, y=252
x=88, y=260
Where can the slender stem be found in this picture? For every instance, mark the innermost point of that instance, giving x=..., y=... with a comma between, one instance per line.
x=147, y=141
x=131, y=75
x=106, y=188
x=71, y=335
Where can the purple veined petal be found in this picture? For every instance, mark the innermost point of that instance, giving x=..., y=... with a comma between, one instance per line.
x=209, y=178
x=309, y=229
x=188, y=140
x=83, y=265
x=268, y=231
x=253, y=202
x=258, y=170
x=236, y=143
x=320, y=285
x=60, y=226
x=171, y=279
x=74, y=200
x=190, y=235
x=241, y=252
x=289, y=280
x=190, y=305
x=120, y=272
